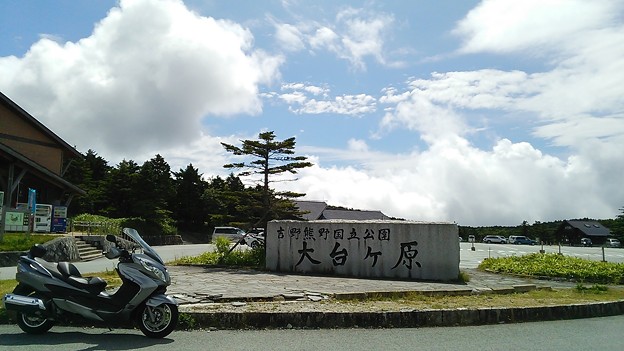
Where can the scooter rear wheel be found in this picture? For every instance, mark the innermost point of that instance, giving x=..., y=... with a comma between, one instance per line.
x=33, y=324
x=158, y=321
x=28, y=322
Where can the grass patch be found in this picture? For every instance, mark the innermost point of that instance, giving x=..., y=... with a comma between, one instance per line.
x=22, y=241
x=463, y=277
x=595, y=289
x=6, y=286
x=533, y=298
x=557, y=266
x=223, y=256
x=186, y=322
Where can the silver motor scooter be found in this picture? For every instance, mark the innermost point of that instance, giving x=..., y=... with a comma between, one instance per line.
x=48, y=292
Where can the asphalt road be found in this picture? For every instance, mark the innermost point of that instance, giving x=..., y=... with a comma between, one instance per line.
x=602, y=334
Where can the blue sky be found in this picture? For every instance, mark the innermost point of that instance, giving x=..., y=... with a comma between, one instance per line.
x=479, y=112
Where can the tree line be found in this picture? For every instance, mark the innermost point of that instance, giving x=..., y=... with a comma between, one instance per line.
x=542, y=231
x=168, y=201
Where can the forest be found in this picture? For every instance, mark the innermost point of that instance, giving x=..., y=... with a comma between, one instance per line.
x=167, y=201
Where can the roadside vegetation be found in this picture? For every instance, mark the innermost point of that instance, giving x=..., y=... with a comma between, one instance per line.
x=557, y=266
x=535, y=298
x=225, y=256
x=23, y=242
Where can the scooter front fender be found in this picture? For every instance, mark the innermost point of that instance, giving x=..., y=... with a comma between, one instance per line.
x=159, y=299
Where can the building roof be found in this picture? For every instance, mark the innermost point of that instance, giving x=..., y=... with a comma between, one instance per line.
x=589, y=228
x=313, y=209
x=38, y=125
x=42, y=172
x=318, y=210
x=355, y=215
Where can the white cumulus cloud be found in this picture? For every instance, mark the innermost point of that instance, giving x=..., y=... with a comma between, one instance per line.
x=143, y=80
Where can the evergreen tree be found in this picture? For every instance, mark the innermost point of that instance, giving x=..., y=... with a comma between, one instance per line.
x=617, y=228
x=189, y=210
x=214, y=200
x=90, y=173
x=155, y=189
x=271, y=158
x=121, y=187
x=225, y=199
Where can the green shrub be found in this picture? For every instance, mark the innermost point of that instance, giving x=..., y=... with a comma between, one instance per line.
x=595, y=289
x=223, y=256
x=222, y=244
x=162, y=224
x=186, y=321
x=96, y=224
x=557, y=266
x=463, y=277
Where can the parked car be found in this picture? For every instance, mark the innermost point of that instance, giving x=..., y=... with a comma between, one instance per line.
x=521, y=240
x=232, y=233
x=494, y=239
x=586, y=242
x=611, y=242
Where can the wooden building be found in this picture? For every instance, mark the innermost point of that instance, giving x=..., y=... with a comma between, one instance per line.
x=572, y=231
x=32, y=157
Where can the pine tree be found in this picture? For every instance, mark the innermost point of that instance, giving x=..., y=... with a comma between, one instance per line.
x=90, y=173
x=271, y=158
x=189, y=209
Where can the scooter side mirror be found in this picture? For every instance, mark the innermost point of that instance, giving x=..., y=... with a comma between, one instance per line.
x=111, y=238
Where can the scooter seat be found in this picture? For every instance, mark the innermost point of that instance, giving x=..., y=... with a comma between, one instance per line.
x=67, y=269
x=94, y=285
x=69, y=273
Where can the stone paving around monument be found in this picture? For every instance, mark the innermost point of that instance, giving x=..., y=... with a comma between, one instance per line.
x=194, y=284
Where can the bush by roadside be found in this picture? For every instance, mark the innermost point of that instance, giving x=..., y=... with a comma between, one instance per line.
x=558, y=267
x=223, y=256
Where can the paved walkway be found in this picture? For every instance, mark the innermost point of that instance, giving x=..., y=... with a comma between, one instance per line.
x=191, y=284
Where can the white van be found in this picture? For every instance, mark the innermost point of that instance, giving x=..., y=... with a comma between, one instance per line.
x=232, y=233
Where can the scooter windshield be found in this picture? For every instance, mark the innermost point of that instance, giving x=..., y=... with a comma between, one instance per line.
x=146, y=248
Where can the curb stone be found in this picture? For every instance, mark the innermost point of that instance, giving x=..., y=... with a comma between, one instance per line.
x=401, y=319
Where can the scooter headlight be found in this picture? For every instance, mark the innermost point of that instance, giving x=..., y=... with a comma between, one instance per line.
x=152, y=268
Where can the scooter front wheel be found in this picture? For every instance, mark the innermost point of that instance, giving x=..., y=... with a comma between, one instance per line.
x=158, y=321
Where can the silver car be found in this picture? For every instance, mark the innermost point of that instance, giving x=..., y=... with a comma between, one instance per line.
x=232, y=233
x=611, y=242
x=494, y=239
